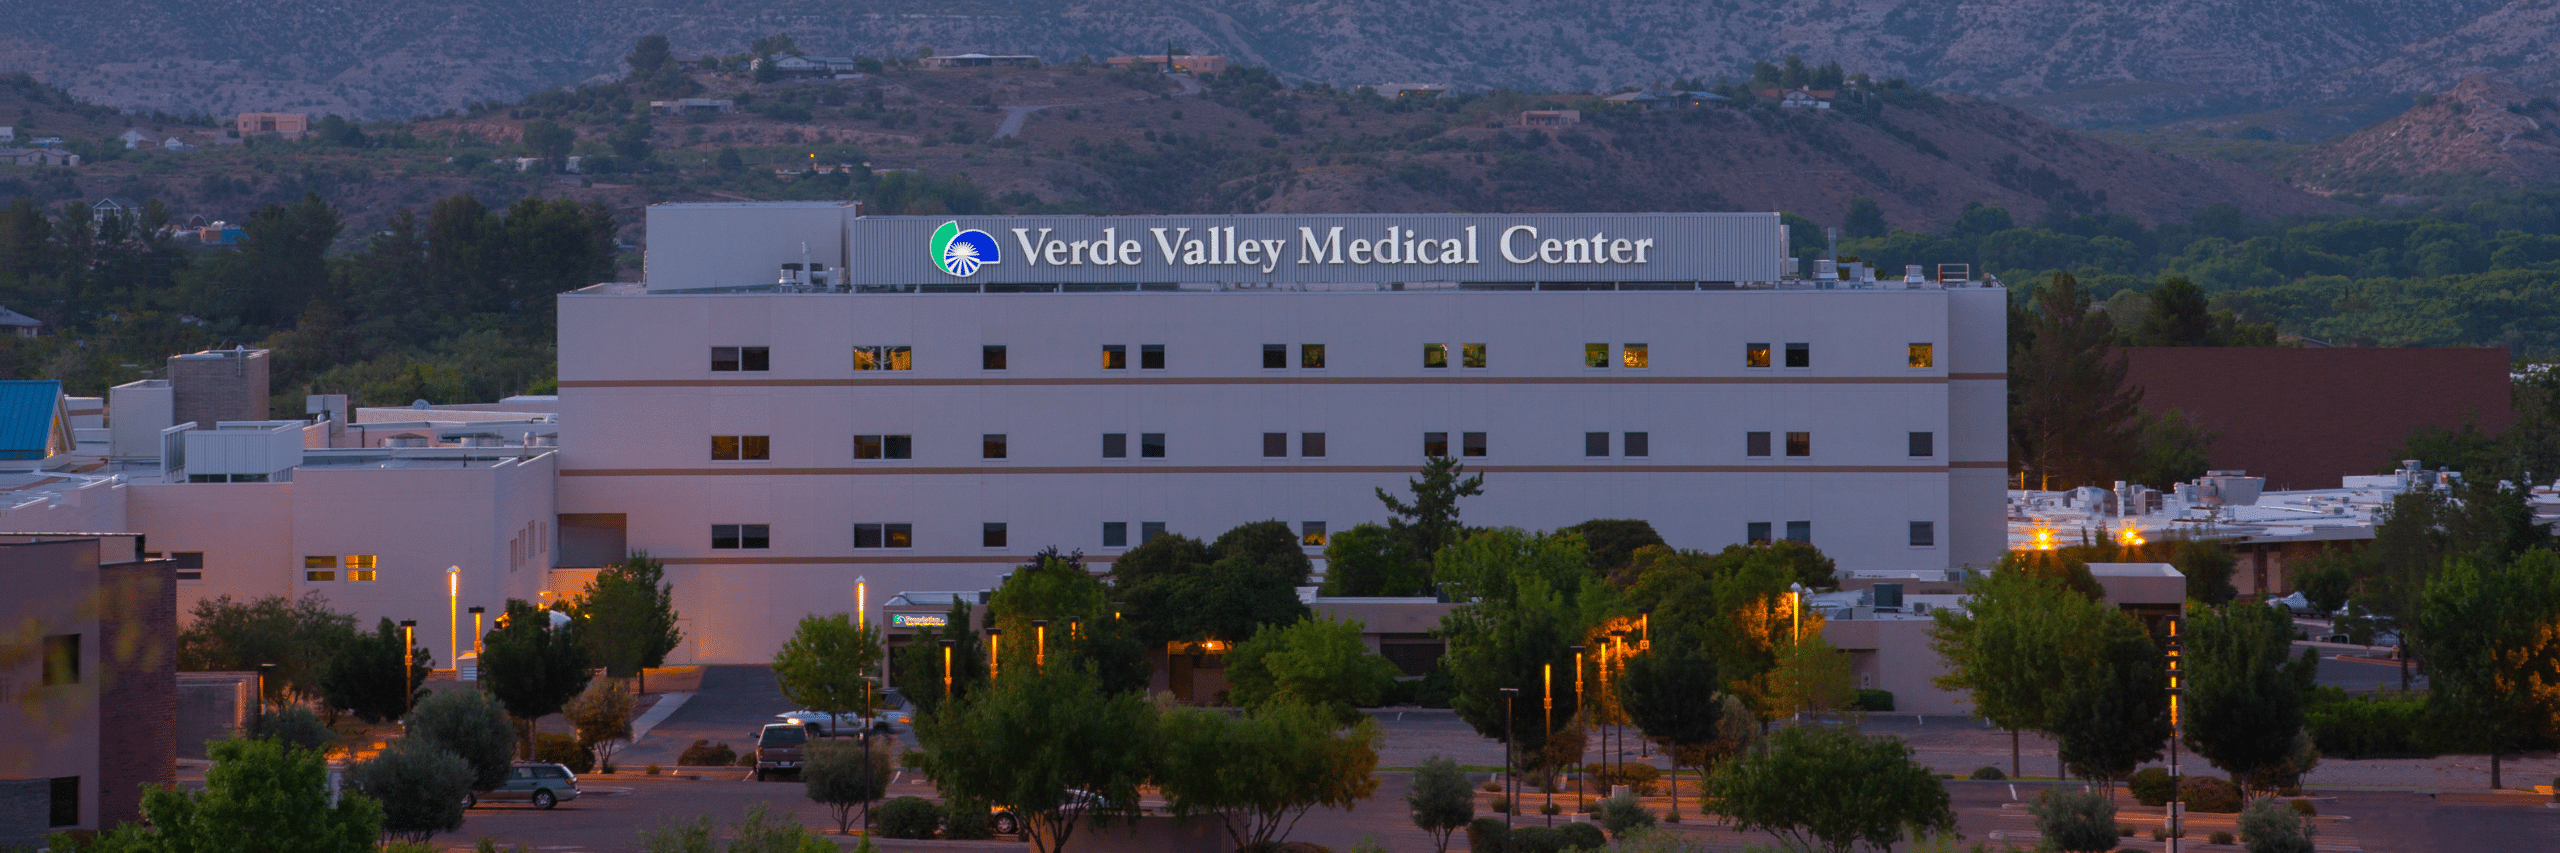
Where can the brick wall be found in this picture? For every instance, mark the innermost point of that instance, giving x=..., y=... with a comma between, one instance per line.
x=2302, y=417
x=138, y=692
x=25, y=805
x=209, y=390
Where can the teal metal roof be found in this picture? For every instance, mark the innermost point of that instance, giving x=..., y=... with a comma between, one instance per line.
x=30, y=416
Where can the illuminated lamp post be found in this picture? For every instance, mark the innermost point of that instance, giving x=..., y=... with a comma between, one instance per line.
x=408, y=655
x=1547, y=705
x=946, y=670
x=1510, y=767
x=861, y=600
x=1579, y=705
x=476, y=631
x=1040, y=646
x=993, y=634
x=453, y=615
x=2177, y=806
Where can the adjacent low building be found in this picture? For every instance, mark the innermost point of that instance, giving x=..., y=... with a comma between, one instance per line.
x=88, y=683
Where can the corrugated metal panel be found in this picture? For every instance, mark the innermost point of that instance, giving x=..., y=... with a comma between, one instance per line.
x=897, y=251
x=27, y=412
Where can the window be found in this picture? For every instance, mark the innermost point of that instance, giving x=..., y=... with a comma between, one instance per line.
x=991, y=357
x=361, y=567
x=1799, y=444
x=1151, y=445
x=1799, y=355
x=1115, y=534
x=1638, y=356
x=1595, y=444
x=1435, y=355
x=1149, y=530
x=883, y=536
x=65, y=807
x=1474, y=354
x=1275, y=444
x=992, y=536
x=1755, y=532
x=1311, y=534
x=883, y=447
x=363, y=575
x=1755, y=444
x=742, y=448
x=1924, y=355
x=316, y=577
x=1924, y=534
x=61, y=660
x=1435, y=444
x=1151, y=357
x=1473, y=444
x=1311, y=445
x=1115, y=357
x=190, y=564
x=1924, y=444
x=883, y=358
x=741, y=536
x=1595, y=355
x=1755, y=355
x=1115, y=445
x=1800, y=531
x=1275, y=356
x=1311, y=356
x=313, y=568
x=1639, y=444
x=751, y=359
x=991, y=445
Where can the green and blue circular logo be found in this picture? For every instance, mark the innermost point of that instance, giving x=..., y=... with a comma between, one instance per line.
x=960, y=252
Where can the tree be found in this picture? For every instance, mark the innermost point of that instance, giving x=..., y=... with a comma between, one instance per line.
x=1864, y=220
x=2492, y=656
x=1083, y=629
x=827, y=664
x=470, y=724
x=1532, y=601
x=2178, y=317
x=1611, y=543
x=1175, y=589
x=728, y=161
x=298, y=636
x=1034, y=736
x=1441, y=799
x=1367, y=561
x=1820, y=788
x=295, y=725
x=630, y=617
x=602, y=715
x=421, y=786
x=2272, y=826
x=2115, y=716
x=1260, y=773
x=261, y=796
x=1318, y=662
x=843, y=774
x=366, y=675
x=1809, y=677
x=920, y=662
x=649, y=54
x=549, y=141
x=2243, y=693
x=2207, y=565
x=2076, y=821
x=532, y=666
x=2018, y=643
x=2071, y=417
x=1670, y=693
x=774, y=45
x=1431, y=520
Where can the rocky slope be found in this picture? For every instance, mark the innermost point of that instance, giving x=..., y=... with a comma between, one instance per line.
x=2484, y=127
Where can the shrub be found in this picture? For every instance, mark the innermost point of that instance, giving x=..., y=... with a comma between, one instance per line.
x=1550, y=808
x=296, y=725
x=1486, y=835
x=1621, y=815
x=2212, y=794
x=2272, y=828
x=2372, y=727
x=1535, y=839
x=2219, y=837
x=2304, y=808
x=2077, y=820
x=908, y=817
x=2150, y=786
x=704, y=753
x=1639, y=777
x=1873, y=701
x=562, y=749
x=651, y=770
x=1491, y=786
x=1987, y=774
x=746, y=759
x=1500, y=805
x=1581, y=836
x=2125, y=830
x=964, y=820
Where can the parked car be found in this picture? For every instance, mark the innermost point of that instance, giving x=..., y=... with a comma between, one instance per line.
x=893, y=714
x=1005, y=822
x=543, y=785
x=781, y=747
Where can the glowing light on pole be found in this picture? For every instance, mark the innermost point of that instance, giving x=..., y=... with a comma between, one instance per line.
x=476, y=631
x=1578, y=705
x=861, y=601
x=993, y=634
x=946, y=669
x=408, y=655
x=1510, y=779
x=1040, y=649
x=453, y=614
x=1547, y=704
x=2177, y=808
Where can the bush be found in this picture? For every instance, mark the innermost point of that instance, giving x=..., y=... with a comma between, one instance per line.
x=295, y=725
x=1621, y=815
x=1500, y=805
x=474, y=726
x=2377, y=727
x=1535, y=839
x=1873, y=701
x=420, y=785
x=1639, y=777
x=561, y=749
x=966, y=820
x=2124, y=830
x=908, y=817
x=1581, y=836
x=2212, y=794
x=651, y=770
x=704, y=753
x=2220, y=837
x=1435, y=689
x=1987, y=774
x=746, y=759
x=1486, y=835
x=1491, y=786
x=2078, y=821
x=2304, y=808
x=2150, y=786
x=2272, y=828
x=1550, y=808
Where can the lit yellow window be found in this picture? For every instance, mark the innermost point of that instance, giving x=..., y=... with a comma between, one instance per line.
x=1595, y=355
x=1639, y=355
x=1755, y=355
x=319, y=562
x=1924, y=355
x=361, y=575
x=363, y=561
x=1474, y=355
x=883, y=358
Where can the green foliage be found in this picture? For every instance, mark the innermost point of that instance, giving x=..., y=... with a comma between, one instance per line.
x=1639, y=778
x=531, y=666
x=1797, y=790
x=2072, y=421
x=1260, y=773
x=821, y=668
x=964, y=819
x=2076, y=821
x=260, y=796
x=1439, y=799
x=1174, y=589
x=1622, y=815
x=1366, y=560
x=2149, y=786
x=1671, y=694
x=420, y=785
x=2209, y=794
x=2372, y=726
x=563, y=750
x=2244, y=692
x=1431, y=520
x=1873, y=701
x=1083, y=628
x=1318, y=662
x=1487, y=835
x=1580, y=836
x=2492, y=656
x=1864, y=220
x=629, y=616
x=299, y=637
x=2115, y=715
x=602, y=716
x=2022, y=641
x=1987, y=774
x=1611, y=543
x=909, y=817
x=2271, y=827
x=1029, y=739
x=469, y=724
x=1534, y=601
x=294, y=725
x=846, y=774
x=704, y=753
x=919, y=664
x=366, y=677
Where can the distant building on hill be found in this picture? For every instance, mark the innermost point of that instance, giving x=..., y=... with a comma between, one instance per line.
x=980, y=60
x=1185, y=63
x=1550, y=118
x=1656, y=99
x=287, y=125
x=1412, y=90
x=1800, y=98
x=693, y=106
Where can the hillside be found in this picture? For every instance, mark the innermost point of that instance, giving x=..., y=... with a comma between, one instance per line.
x=2485, y=129
x=2083, y=61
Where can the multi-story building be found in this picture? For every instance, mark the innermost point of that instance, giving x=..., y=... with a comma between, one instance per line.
x=88, y=687
x=926, y=402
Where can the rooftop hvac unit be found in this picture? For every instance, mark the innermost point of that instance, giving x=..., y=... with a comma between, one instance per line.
x=1888, y=597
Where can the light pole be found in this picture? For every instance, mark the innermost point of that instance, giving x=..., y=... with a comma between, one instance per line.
x=1795, y=612
x=1578, y=706
x=264, y=670
x=861, y=600
x=453, y=616
x=1040, y=646
x=1510, y=767
x=993, y=634
x=2177, y=807
x=408, y=656
x=476, y=631
x=1547, y=705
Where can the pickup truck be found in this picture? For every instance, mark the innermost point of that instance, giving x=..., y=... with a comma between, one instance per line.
x=781, y=747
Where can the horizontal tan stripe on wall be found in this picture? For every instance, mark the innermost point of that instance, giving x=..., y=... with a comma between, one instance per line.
x=888, y=382
x=1979, y=377
x=749, y=471
x=2001, y=464
x=912, y=559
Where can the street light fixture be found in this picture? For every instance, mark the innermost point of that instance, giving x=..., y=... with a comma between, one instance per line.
x=1547, y=705
x=861, y=600
x=946, y=670
x=1510, y=767
x=453, y=614
x=1040, y=648
x=1578, y=705
x=2177, y=685
x=993, y=634
x=408, y=656
x=476, y=631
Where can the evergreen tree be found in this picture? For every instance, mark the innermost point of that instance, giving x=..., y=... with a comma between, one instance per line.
x=367, y=675
x=2115, y=716
x=1431, y=521
x=2244, y=692
x=1865, y=220
x=2072, y=420
x=532, y=666
x=630, y=617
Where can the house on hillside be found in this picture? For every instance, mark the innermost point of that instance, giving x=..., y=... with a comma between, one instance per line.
x=1412, y=90
x=107, y=207
x=287, y=125
x=8, y=135
x=1800, y=97
x=1658, y=99
x=133, y=139
x=1179, y=62
x=175, y=144
x=37, y=157
x=693, y=106
x=1550, y=118
x=980, y=60
x=19, y=324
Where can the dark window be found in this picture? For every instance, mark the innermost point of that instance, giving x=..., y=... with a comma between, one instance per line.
x=1473, y=444
x=866, y=536
x=1115, y=534
x=1115, y=445
x=66, y=802
x=1311, y=356
x=1275, y=356
x=1755, y=444
x=724, y=359
x=190, y=564
x=755, y=359
x=1755, y=532
x=1435, y=444
x=1115, y=357
x=1924, y=534
x=741, y=447
x=1595, y=355
x=866, y=447
x=1311, y=445
x=991, y=446
x=1595, y=444
x=1755, y=355
x=1149, y=530
x=1799, y=444
x=1924, y=444
x=1639, y=444
x=1151, y=445
x=883, y=447
x=899, y=535
x=1473, y=354
x=1800, y=531
x=901, y=446
x=991, y=357
x=993, y=535
x=61, y=659
x=1151, y=357
x=1435, y=355
x=1275, y=444
x=724, y=537
x=1799, y=355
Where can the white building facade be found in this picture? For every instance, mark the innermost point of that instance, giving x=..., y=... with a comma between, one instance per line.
x=927, y=402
